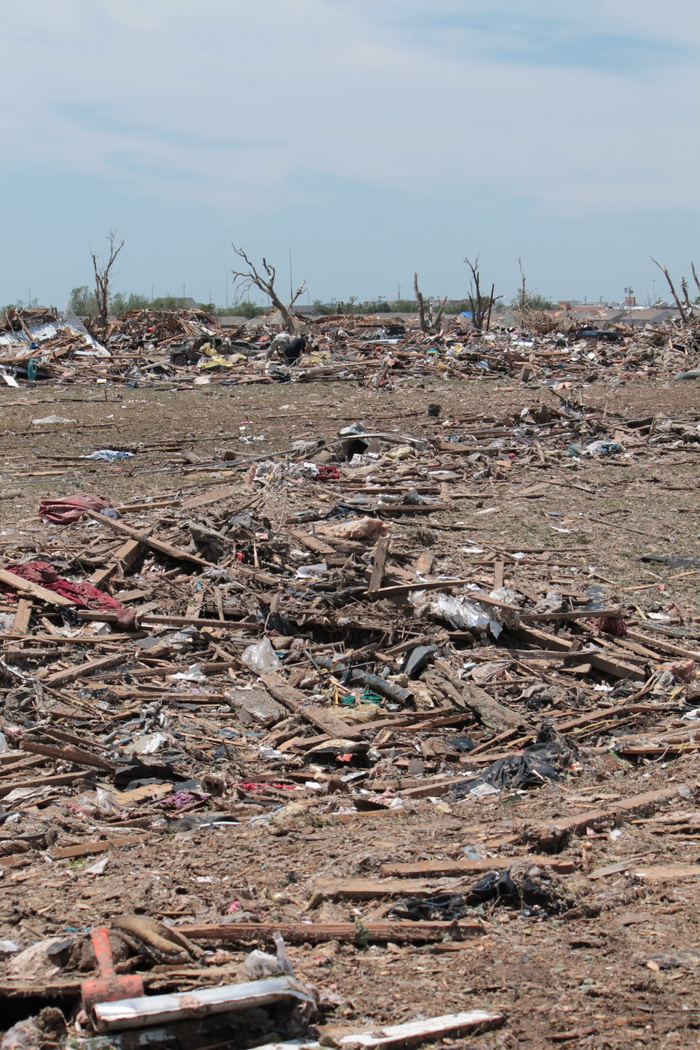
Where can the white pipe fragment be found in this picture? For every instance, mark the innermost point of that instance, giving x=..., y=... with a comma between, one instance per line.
x=418, y=1031
x=161, y=1009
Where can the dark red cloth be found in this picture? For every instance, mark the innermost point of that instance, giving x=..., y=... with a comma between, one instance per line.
x=84, y=595
x=613, y=625
x=327, y=472
x=71, y=508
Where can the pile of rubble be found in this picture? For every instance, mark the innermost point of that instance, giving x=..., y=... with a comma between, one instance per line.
x=189, y=346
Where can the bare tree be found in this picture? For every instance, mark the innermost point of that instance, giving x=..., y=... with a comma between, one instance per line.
x=523, y=292
x=265, y=281
x=695, y=275
x=479, y=304
x=102, y=276
x=684, y=289
x=427, y=324
x=674, y=293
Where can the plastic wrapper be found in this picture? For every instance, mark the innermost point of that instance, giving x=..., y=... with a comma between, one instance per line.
x=261, y=657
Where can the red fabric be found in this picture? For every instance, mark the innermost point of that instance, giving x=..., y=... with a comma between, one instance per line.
x=327, y=472
x=84, y=595
x=71, y=508
x=613, y=625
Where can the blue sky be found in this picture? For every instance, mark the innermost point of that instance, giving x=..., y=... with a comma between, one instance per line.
x=372, y=137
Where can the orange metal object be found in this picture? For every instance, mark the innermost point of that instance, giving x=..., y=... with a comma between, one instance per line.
x=110, y=986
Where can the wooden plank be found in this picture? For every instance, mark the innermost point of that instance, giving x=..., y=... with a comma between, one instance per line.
x=69, y=754
x=90, y=849
x=432, y=1029
x=665, y=872
x=34, y=589
x=424, y=563
x=663, y=645
x=296, y=701
x=161, y=546
x=371, y=889
x=445, y=585
x=81, y=670
x=604, y=714
x=380, y=555
x=313, y=543
x=22, y=616
x=123, y=558
x=551, y=834
x=465, y=867
x=51, y=781
x=17, y=860
x=316, y=933
x=572, y=614
x=144, y=793
x=222, y=492
x=463, y=695
x=435, y=788
x=169, y=621
x=601, y=662
x=656, y=750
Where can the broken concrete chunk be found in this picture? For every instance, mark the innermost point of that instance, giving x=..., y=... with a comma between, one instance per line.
x=256, y=705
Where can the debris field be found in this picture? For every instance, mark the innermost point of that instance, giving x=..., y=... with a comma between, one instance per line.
x=384, y=662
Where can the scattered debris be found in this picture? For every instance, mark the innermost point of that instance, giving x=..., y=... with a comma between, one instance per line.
x=309, y=701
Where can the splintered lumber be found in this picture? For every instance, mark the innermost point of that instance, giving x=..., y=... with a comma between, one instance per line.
x=663, y=645
x=123, y=558
x=628, y=712
x=142, y=615
x=370, y=889
x=161, y=546
x=599, y=660
x=468, y=696
x=52, y=781
x=34, y=589
x=429, y=1030
x=164, y=1009
x=312, y=542
x=296, y=701
x=69, y=754
x=398, y=590
x=317, y=932
x=549, y=836
x=439, y=868
x=24, y=612
x=80, y=670
x=213, y=496
x=570, y=614
x=664, y=872
x=380, y=556
x=89, y=849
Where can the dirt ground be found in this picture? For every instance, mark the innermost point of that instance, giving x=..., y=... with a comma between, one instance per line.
x=619, y=967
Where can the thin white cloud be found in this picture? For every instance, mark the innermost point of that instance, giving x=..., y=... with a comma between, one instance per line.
x=226, y=103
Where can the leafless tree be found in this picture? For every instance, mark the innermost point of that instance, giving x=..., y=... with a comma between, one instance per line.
x=479, y=304
x=427, y=324
x=695, y=275
x=523, y=292
x=265, y=281
x=102, y=276
x=674, y=293
x=686, y=299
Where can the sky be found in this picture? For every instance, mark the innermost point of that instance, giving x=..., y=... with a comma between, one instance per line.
x=363, y=139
